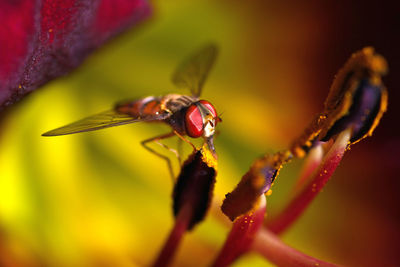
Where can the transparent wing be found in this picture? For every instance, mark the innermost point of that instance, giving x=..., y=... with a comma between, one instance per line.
x=96, y=122
x=193, y=72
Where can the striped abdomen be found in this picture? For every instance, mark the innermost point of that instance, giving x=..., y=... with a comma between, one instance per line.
x=146, y=108
x=155, y=108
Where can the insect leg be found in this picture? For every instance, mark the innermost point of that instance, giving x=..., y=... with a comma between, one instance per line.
x=156, y=140
x=177, y=153
x=179, y=149
x=184, y=139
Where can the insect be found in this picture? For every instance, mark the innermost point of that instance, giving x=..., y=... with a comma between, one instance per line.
x=186, y=114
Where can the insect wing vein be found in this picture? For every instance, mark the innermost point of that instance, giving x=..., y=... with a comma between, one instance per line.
x=96, y=122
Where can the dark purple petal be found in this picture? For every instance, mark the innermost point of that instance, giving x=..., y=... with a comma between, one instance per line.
x=44, y=39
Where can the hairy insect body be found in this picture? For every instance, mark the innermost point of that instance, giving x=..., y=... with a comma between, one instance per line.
x=169, y=109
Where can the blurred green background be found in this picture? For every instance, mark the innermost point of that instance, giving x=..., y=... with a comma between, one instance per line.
x=100, y=199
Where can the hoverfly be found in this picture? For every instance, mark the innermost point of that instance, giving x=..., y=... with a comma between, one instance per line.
x=186, y=114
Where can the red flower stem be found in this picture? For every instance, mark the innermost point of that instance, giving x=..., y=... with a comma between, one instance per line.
x=312, y=161
x=173, y=241
x=272, y=248
x=319, y=178
x=241, y=236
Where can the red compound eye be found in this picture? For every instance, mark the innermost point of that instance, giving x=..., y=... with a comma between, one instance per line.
x=193, y=121
x=210, y=107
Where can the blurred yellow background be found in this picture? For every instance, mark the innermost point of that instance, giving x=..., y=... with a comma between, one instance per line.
x=100, y=199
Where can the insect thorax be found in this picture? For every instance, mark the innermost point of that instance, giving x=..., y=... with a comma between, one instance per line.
x=174, y=103
x=177, y=105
